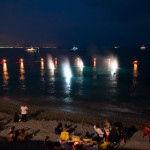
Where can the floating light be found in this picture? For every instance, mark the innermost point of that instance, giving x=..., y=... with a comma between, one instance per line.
x=42, y=65
x=135, y=62
x=4, y=60
x=94, y=62
x=55, y=62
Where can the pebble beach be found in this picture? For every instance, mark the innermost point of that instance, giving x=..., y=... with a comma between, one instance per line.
x=41, y=123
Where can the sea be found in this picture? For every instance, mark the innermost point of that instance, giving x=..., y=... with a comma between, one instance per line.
x=98, y=81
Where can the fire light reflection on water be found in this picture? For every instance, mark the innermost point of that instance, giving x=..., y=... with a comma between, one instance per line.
x=79, y=65
x=5, y=76
x=135, y=73
x=42, y=73
x=22, y=75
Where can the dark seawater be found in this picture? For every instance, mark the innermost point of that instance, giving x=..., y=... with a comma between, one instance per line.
x=92, y=90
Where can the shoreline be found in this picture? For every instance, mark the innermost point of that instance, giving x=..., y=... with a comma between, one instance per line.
x=42, y=113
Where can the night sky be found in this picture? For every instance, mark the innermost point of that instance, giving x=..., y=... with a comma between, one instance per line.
x=63, y=23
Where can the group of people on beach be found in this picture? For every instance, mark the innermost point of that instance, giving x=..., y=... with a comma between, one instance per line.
x=109, y=136
x=17, y=135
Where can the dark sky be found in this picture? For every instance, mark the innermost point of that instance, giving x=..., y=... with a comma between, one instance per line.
x=80, y=22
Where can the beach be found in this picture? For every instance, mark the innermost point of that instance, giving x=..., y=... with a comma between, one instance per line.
x=42, y=122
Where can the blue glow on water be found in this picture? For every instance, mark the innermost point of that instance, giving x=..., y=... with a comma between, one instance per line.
x=74, y=87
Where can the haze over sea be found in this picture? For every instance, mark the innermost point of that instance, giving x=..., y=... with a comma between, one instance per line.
x=94, y=90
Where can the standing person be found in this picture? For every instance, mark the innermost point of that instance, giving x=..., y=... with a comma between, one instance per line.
x=24, y=112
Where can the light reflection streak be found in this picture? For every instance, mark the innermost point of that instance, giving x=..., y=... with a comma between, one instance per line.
x=109, y=63
x=112, y=65
x=135, y=73
x=42, y=63
x=94, y=64
x=78, y=62
x=22, y=72
x=94, y=68
x=80, y=65
x=5, y=75
x=42, y=70
x=94, y=73
x=55, y=62
x=112, y=68
x=51, y=68
x=67, y=74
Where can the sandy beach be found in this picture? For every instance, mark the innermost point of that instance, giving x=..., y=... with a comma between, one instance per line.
x=42, y=122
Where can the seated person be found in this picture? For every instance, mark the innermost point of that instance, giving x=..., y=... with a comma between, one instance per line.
x=99, y=131
x=114, y=136
x=66, y=128
x=12, y=130
x=57, y=146
x=75, y=136
x=107, y=124
x=22, y=133
x=87, y=137
x=48, y=143
x=146, y=131
x=58, y=129
x=121, y=131
x=16, y=117
x=11, y=135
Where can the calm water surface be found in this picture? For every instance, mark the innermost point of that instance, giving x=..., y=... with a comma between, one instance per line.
x=90, y=89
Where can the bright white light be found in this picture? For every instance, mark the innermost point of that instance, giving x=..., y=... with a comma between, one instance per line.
x=51, y=64
x=81, y=65
x=67, y=71
x=113, y=66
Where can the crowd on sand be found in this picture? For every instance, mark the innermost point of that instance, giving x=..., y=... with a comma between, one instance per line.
x=109, y=137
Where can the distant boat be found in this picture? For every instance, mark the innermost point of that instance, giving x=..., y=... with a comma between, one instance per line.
x=31, y=50
x=116, y=46
x=143, y=47
x=74, y=48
